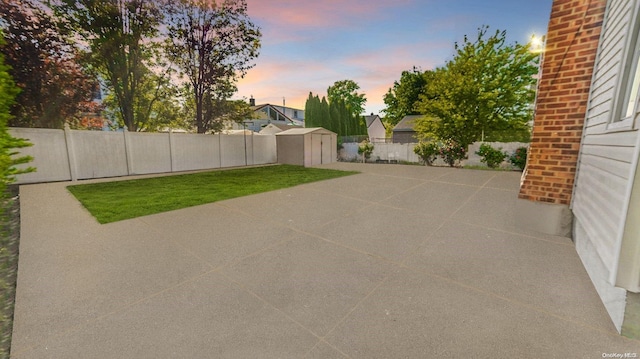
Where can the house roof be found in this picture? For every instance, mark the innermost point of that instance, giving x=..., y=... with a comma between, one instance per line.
x=278, y=111
x=407, y=123
x=370, y=119
x=283, y=127
x=304, y=131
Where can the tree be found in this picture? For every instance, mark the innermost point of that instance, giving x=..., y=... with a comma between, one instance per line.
x=8, y=161
x=213, y=44
x=402, y=98
x=347, y=91
x=484, y=93
x=155, y=105
x=333, y=115
x=119, y=35
x=44, y=65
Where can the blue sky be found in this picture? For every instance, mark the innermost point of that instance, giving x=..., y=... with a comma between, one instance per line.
x=307, y=45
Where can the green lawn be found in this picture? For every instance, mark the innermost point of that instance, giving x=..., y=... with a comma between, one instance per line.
x=119, y=200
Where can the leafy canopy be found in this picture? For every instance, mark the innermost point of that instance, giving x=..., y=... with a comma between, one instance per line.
x=55, y=88
x=213, y=44
x=120, y=46
x=335, y=111
x=401, y=99
x=484, y=93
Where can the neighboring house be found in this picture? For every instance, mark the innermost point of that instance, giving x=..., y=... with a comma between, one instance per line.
x=268, y=113
x=375, y=128
x=582, y=178
x=404, y=131
x=274, y=128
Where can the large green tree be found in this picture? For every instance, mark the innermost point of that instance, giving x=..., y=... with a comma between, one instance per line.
x=347, y=91
x=402, y=98
x=212, y=43
x=120, y=37
x=54, y=88
x=484, y=93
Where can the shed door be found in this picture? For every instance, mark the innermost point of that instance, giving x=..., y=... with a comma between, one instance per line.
x=326, y=149
x=316, y=149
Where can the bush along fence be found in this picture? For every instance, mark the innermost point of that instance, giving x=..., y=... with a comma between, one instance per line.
x=63, y=155
x=513, y=154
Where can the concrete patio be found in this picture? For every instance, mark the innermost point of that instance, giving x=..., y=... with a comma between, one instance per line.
x=395, y=262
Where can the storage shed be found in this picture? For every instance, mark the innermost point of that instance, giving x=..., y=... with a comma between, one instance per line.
x=307, y=146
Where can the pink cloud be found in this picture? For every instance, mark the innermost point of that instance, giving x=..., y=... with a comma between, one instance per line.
x=313, y=13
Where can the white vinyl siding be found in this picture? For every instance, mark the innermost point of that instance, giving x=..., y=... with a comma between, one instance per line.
x=606, y=156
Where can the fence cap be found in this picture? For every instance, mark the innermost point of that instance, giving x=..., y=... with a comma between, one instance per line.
x=304, y=131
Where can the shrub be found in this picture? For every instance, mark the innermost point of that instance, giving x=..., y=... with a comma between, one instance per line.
x=491, y=156
x=452, y=152
x=365, y=148
x=427, y=151
x=519, y=158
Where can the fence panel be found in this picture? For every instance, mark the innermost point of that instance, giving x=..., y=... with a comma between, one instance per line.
x=63, y=155
x=191, y=152
x=148, y=152
x=232, y=150
x=264, y=149
x=96, y=154
x=49, y=152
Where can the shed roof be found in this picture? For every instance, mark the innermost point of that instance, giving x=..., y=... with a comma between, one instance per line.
x=304, y=131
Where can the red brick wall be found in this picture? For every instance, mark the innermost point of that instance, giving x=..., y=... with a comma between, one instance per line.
x=563, y=93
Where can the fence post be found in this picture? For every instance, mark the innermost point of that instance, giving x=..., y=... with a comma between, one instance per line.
x=127, y=150
x=71, y=156
x=171, y=150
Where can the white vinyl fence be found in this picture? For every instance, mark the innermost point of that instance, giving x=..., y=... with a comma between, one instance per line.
x=403, y=152
x=64, y=155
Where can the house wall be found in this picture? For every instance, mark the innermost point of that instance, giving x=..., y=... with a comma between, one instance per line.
x=63, y=155
x=376, y=131
x=605, y=174
x=569, y=55
x=404, y=137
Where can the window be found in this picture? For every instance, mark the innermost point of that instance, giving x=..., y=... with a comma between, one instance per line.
x=627, y=100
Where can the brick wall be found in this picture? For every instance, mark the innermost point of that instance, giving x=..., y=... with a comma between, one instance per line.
x=563, y=93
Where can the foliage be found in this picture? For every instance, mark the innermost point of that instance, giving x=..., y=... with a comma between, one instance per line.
x=44, y=65
x=451, y=152
x=212, y=44
x=115, y=201
x=156, y=106
x=519, y=158
x=121, y=50
x=334, y=115
x=401, y=99
x=484, y=93
x=347, y=92
x=427, y=151
x=365, y=148
x=491, y=156
x=8, y=171
x=8, y=144
x=89, y=118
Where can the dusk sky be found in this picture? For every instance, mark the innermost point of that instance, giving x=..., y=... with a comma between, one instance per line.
x=307, y=45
